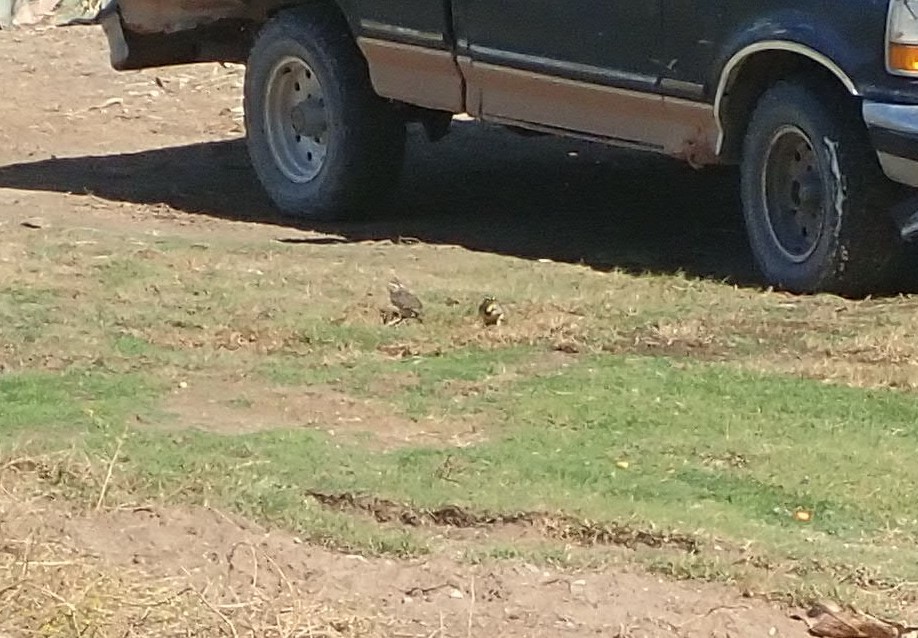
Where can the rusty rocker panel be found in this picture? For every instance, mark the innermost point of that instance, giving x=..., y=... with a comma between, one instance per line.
x=415, y=74
x=434, y=78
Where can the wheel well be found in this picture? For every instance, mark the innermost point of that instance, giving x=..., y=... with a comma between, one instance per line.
x=755, y=75
x=160, y=42
x=260, y=11
x=269, y=8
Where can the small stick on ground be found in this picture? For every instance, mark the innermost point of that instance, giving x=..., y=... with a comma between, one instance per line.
x=220, y=614
x=471, y=608
x=712, y=610
x=111, y=467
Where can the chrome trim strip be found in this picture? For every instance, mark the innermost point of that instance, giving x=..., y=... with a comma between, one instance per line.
x=691, y=88
x=902, y=118
x=403, y=32
x=571, y=68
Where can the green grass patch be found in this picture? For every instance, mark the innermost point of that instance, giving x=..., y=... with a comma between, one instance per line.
x=643, y=441
x=418, y=386
x=25, y=313
x=646, y=441
x=42, y=406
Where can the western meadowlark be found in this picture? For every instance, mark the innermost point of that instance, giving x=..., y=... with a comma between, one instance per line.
x=406, y=304
x=490, y=312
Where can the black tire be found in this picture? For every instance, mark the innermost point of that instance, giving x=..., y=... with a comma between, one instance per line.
x=362, y=139
x=841, y=239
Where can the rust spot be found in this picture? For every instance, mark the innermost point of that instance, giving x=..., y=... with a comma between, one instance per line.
x=169, y=16
x=699, y=150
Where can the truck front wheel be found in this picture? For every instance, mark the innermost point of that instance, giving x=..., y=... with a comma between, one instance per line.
x=814, y=198
x=323, y=144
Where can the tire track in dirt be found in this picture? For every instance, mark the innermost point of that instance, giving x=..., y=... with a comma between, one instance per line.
x=555, y=526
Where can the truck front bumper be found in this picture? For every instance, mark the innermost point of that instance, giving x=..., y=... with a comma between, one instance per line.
x=894, y=133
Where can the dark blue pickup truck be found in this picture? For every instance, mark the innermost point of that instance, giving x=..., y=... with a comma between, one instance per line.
x=815, y=100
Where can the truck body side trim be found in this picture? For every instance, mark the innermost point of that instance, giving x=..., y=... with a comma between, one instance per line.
x=414, y=74
x=676, y=127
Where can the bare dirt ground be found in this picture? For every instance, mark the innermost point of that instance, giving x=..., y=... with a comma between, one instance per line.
x=161, y=151
x=212, y=552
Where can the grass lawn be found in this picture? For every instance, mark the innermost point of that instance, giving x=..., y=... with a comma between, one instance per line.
x=775, y=431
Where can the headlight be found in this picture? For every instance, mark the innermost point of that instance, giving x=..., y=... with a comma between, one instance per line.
x=902, y=38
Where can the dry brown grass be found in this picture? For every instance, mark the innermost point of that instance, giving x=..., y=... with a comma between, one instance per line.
x=50, y=587
x=256, y=300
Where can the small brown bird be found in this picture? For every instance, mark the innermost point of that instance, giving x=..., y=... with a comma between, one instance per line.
x=407, y=305
x=490, y=312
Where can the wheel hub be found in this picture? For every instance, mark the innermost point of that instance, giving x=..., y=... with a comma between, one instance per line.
x=308, y=118
x=296, y=121
x=795, y=194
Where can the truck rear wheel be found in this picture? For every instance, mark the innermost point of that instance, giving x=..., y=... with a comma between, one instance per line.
x=323, y=144
x=814, y=198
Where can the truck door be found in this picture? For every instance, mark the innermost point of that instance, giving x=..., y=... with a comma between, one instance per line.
x=612, y=42
x=693, y=31
x=582, y=65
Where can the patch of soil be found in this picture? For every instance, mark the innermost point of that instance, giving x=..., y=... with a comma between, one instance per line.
x=261, y=340
x=690, y=339
x=458, y=389
x=532, y=325
x=433, y=596
x=240, y=406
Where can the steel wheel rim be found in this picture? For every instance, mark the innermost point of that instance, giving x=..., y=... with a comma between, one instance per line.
x=296, y=121
x=794, y=194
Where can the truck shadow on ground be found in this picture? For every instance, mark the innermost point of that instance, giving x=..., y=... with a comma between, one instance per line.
x=481, y=188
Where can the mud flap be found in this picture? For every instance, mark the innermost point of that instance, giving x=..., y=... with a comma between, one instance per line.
x=905, y=216
x=110, y=20
x=117, y=43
